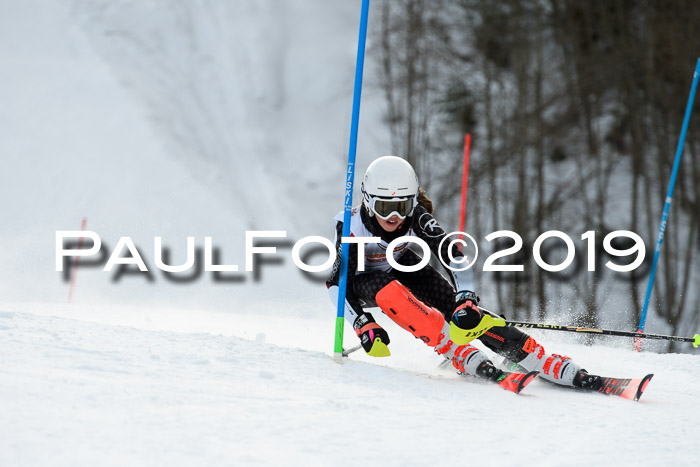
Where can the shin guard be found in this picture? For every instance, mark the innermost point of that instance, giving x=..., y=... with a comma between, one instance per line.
x=421, y=320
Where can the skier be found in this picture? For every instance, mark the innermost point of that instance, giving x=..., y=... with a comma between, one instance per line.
x=442, y=314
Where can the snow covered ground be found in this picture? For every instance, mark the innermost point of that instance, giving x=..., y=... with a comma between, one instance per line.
x=85, y=386
x=179, y=119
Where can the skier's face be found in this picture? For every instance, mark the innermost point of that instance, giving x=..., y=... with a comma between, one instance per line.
x=391, y=224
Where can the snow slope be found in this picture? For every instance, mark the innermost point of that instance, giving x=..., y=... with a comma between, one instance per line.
x=179, y=119
x=173, y=119
x=82, y=386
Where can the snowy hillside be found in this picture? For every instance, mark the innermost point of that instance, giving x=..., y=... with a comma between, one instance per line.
x=144, y=387
x=173, y=120
x=208, y=119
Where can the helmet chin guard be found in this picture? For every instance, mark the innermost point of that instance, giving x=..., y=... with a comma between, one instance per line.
x=390, y=187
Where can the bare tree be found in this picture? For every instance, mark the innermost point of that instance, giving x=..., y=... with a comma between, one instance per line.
x=575, y=110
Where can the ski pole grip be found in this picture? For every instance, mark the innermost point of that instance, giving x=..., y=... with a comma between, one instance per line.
x=696, y=343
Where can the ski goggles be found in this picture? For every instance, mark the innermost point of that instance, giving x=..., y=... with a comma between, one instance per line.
x=388, y=207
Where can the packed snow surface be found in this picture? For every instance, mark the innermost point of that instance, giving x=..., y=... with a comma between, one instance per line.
x=86, y=386
x=210, y=119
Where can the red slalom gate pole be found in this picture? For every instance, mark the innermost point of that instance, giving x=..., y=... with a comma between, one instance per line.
x=77, y=258
x=465, y=180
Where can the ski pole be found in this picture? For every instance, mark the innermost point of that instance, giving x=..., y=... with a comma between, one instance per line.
x=75, y=266
x=667, y=206
x=465, y=181
x=350, y=176
x=695, y=340
x=351, y=350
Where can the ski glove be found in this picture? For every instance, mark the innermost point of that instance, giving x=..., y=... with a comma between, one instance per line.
x=468, y=322
x=373, y=337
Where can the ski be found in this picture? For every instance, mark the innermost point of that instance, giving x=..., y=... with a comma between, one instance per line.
x=516, y=382
x=510, y=381
x=627, y=388
x=630, y=388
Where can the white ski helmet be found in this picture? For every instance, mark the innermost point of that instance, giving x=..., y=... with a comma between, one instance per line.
x=390, y=187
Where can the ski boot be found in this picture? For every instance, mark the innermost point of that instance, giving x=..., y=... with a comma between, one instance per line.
x=583, y=380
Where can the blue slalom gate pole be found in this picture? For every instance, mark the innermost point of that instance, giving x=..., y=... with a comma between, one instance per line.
x=349, y=179
x=667, y=206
